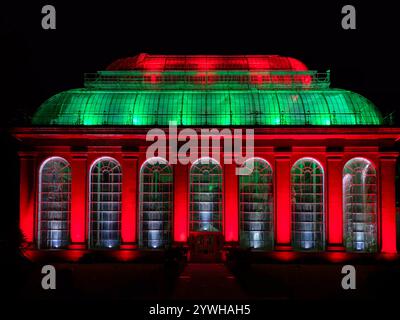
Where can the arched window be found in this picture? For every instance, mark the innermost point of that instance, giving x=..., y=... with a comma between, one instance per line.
x=54, y=204
x=105, y=203
x=206, y=196
x=360, y=205
x=308, y=223
x=156, y=192
x=257, y=205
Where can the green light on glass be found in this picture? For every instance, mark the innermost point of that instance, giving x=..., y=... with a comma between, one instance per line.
x=90, y=107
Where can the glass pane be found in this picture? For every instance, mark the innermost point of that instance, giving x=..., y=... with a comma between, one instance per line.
x=156, y=209
x=257, y=206
x=308, y=228
x=360, y=205
x=207, y=107
x=206, y=196
x=54, y=204
x=105, y=204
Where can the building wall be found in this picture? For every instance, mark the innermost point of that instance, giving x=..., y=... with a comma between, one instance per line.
x=280, y=160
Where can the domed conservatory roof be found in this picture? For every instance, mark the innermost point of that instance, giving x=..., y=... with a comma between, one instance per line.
x=207, y=91
x=148, y=62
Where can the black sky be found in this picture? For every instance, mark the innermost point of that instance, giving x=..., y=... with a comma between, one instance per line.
x=38, y=63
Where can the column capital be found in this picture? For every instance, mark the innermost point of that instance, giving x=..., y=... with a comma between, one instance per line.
x=79, y=155
x=281, y=157
x=27, y=155
x=130, y=156
x=334, y=157
x=388, y=156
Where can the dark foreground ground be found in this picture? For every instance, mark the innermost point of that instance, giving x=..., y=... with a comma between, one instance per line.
x=237, y=279
x=214, y=281
x=139, y=286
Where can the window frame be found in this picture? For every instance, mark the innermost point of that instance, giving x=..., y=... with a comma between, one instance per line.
x=171, y=204
x=89, y=200
x=271, y=190
x=220, y=202
x=318, y=247
x=376, y=224
x=40, y=203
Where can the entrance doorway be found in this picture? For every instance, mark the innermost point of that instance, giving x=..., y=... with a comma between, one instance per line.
x=206, y=239
x=205, y=246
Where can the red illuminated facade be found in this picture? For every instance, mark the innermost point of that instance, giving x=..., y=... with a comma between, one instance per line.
x=320, y=187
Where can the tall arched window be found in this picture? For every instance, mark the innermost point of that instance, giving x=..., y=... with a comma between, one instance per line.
x=257, y=205
x=360, y=205
x=156, y=193
x=54, y=204
x=105, y=203
x=206, y=196
x=308, y=223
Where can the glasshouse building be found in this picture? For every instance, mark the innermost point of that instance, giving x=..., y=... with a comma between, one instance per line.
x=323, y=164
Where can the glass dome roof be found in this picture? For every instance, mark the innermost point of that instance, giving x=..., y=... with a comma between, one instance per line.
x=207, y=108
x=147, y=62
x=148, y=90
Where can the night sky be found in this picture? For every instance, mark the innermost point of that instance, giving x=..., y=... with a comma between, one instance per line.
x=39, y=63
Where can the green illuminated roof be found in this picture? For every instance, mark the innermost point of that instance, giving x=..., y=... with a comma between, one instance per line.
x=264, y=90
x=249, y=107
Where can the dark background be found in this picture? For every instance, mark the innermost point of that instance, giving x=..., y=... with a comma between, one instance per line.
x=37, y=63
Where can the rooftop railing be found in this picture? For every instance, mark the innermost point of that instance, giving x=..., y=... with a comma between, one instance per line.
x=207, y=80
